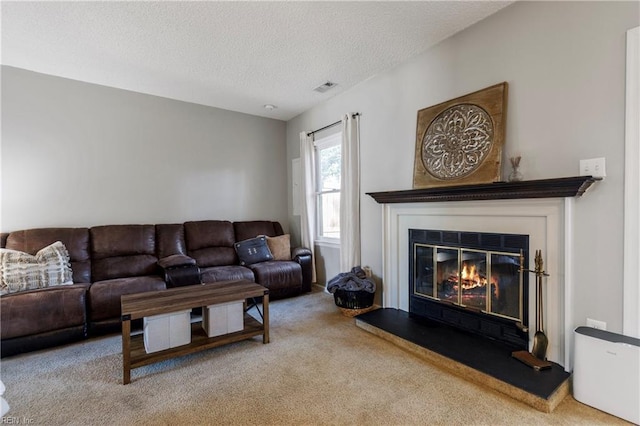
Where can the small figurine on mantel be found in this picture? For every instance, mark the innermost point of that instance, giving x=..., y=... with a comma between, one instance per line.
x=515, y=175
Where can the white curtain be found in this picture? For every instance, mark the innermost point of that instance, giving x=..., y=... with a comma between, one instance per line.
x=308, y=198
x=350, y=194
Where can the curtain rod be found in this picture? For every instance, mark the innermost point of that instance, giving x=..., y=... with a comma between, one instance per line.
x=328, y=126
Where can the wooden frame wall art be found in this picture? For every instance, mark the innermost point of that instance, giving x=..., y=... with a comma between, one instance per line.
x=460, y=141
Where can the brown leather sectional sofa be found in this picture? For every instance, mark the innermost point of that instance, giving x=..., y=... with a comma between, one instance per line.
x=109, y=261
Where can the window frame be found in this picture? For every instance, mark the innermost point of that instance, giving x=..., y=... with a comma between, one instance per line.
x=326, y=142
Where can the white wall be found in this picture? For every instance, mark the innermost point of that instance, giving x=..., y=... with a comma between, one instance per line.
x=565, y=65
x=79, y=154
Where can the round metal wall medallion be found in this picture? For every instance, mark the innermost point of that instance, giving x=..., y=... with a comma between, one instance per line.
x=457, y=141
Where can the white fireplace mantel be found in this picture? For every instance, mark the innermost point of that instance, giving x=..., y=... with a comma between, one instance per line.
x=542, y=209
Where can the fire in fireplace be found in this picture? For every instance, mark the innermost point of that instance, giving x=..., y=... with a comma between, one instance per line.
x=471, y=280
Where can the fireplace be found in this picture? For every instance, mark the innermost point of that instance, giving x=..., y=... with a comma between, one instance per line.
x=541, y=209
x=471, y=280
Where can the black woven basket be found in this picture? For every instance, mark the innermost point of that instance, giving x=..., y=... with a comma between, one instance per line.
x=353, y=299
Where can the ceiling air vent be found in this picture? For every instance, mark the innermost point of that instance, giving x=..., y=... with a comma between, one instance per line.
x=326, y=86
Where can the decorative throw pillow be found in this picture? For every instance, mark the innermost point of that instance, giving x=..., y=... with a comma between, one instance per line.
x=280, y=247
x=21, y=271
x=253, y=250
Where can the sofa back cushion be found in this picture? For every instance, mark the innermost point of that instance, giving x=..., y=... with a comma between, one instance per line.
x=251, y=229
x=121, y=251
x=76, y=240
x=170, y=240
x=210, y=242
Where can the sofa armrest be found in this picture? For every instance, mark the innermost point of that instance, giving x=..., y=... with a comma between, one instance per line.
x=176, y=260
x=303, y=256
x=179, y=270
x=300, y=251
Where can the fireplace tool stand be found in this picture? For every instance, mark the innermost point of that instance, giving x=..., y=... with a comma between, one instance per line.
x=537, y=358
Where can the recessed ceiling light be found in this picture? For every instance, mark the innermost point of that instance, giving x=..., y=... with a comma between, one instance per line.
x=270, y=107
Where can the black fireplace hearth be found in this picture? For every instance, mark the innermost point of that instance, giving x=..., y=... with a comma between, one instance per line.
x=477, y=359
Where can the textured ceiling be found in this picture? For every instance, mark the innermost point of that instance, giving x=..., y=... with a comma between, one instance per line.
x=232, y=55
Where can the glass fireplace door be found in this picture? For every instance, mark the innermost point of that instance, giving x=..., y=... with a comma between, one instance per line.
x=486, y=281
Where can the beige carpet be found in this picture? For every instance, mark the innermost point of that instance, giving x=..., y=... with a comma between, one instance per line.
x=318, y=369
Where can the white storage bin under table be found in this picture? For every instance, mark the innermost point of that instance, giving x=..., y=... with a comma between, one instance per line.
x=167, y=331
x=223, y=318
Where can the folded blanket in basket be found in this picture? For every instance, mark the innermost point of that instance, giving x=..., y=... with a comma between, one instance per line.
x=352, y=281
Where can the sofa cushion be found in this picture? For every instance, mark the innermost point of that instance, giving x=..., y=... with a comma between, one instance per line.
x=39, y=311
x=121, y=251
x=20, y=271
x=253, y=250
x=104, y=296
x=282, y=278
x=176, y=260
x=210, y=242
x=209, y=233
x=250, y=229
x=125, y=267
x=280, y=247
x=226, y=273
x=170, y=240
x=76, y=240
x=215, y=256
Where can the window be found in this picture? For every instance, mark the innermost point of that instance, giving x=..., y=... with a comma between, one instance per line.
x=328, y=161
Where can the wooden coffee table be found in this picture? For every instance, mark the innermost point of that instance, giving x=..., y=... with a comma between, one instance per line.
x=139, y=305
